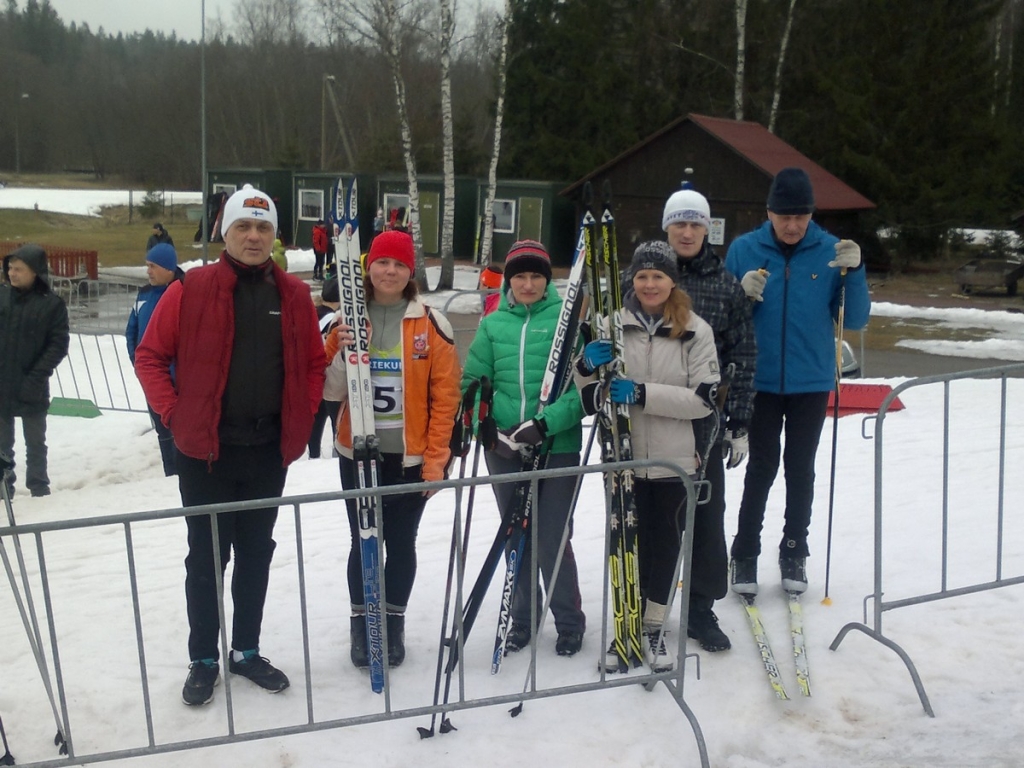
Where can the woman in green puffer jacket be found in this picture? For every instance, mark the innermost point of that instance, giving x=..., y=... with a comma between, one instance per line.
x=511, y=348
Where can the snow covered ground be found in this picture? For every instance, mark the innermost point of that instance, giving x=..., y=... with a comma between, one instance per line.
x=864, y=710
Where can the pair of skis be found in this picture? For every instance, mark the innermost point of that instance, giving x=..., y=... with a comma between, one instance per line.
x=796, y=632
x=365, y=445
x=614, y=431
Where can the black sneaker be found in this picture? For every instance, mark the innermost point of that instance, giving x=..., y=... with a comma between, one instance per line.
x=258, y=669
x=794, y=574
x=703, y=627
x=42, y=490
x=568, y=643
x=203, y=676
x=518, y=638
x=743, y=575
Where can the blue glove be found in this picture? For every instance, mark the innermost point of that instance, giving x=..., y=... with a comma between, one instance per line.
x=597, y=353
x=627, y=392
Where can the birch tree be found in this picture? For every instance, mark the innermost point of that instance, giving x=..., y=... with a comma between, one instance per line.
x=783, y=47
x=499, y=111
x=381, y=22
x=448, y=143
x=741, y=58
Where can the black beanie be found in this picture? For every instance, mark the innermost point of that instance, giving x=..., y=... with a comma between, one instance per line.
x=654, y=254
x=791, y=193
x=527, y=256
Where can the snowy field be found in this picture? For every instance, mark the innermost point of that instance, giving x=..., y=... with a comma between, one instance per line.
x=864, y=710
x=84, y=202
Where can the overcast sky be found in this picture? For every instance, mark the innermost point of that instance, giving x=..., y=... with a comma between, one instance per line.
x=181, y=16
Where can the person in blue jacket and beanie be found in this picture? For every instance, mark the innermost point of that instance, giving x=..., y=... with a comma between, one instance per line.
x=161, y=269
x=795, y=273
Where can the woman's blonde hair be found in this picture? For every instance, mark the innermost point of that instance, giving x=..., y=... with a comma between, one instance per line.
x=677, y=312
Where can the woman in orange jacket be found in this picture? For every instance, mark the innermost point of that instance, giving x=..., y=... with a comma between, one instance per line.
x=415, y=377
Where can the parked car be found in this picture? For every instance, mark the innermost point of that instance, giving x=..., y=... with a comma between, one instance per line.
x=850, y=367
x=989, y=273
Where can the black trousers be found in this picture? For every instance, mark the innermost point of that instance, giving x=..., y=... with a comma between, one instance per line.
x=33, y=428
x=166, y=440
x=241, y=473
x=327, y=409
x=400, y=521
x=553, y=506
x=802, y=417
x=709, y=572
x=661, y=518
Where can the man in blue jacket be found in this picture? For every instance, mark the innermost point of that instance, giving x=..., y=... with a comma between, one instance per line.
x=161, y=270
x=795, y=272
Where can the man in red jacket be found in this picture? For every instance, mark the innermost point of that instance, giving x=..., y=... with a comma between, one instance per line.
x=248, y=376
x=319, y=248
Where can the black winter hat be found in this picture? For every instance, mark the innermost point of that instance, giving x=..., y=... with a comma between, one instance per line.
x=654, y=254
x=791, y=193
x=527, y=256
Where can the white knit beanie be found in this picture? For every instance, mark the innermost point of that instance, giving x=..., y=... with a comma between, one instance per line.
x=686, y=205
x=248, y=203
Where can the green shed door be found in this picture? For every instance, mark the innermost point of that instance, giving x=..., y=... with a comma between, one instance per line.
x=531, y=213
x=430, y=220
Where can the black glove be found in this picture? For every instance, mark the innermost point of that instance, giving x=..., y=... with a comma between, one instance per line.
x=707, y=392
x=530, y=432
x=592, y=398
x=511, y=442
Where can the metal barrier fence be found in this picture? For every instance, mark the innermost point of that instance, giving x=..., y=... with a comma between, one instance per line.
x=60, y=693
x=946, y=517
x=97, y=367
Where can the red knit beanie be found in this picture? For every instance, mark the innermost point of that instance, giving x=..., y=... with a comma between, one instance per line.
x=392, y=245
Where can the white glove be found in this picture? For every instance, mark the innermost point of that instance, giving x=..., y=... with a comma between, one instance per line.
x=753, y=284
x=847, y=255
x=735, y=447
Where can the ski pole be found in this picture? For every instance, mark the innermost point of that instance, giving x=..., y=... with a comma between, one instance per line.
x=28, y=618
x=518, y=708
x=835, y=431
x=468, y=403
x=8, y=758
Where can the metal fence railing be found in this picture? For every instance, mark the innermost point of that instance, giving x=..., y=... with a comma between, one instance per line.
x=942, y=516
x=143, y=537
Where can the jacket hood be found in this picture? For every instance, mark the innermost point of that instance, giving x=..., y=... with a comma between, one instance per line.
x=35, y=257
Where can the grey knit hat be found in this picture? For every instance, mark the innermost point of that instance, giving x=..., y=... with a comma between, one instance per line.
x=654, y=254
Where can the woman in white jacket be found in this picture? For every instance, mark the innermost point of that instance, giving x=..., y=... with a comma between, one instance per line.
x=669, y=379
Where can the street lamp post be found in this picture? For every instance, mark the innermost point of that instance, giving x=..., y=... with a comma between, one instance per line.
x=17, y=140
x=323, y=121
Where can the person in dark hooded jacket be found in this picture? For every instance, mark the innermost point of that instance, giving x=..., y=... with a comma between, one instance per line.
x=34, y=339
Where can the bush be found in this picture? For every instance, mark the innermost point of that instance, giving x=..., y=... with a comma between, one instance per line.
x=152, y=205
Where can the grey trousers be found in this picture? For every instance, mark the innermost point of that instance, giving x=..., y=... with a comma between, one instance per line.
x=33, y=428
x=549, y=515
